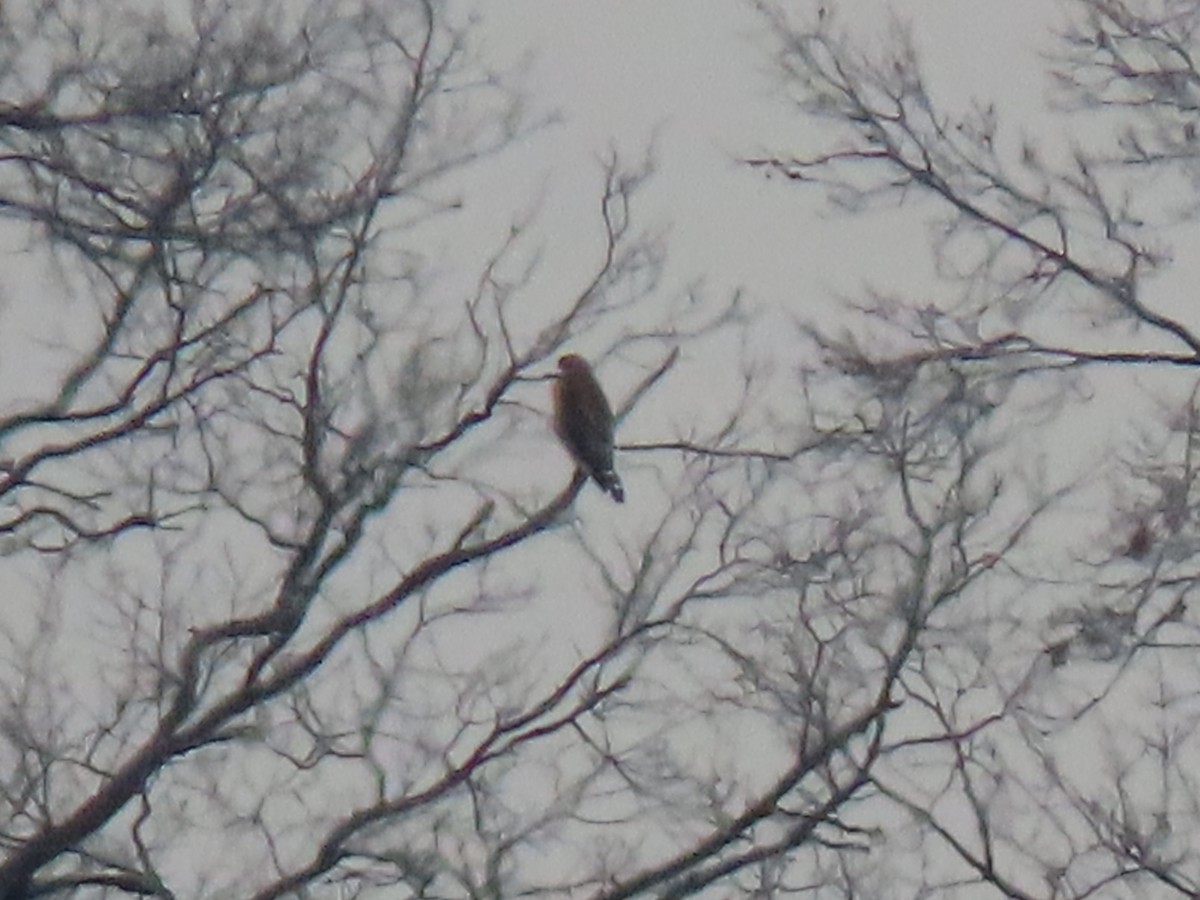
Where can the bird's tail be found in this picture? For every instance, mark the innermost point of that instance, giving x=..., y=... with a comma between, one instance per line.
x=611, y=484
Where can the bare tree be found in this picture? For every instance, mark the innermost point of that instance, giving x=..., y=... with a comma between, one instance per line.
x=303, y=600
x=1042, y=739
x=254, y=643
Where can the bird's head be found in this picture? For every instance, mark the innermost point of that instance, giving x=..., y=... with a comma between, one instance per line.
x=572, y=362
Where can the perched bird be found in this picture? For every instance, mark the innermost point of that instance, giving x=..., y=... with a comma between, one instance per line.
x=583, y=421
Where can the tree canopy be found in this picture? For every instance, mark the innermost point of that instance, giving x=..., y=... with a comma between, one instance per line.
x=302, y=598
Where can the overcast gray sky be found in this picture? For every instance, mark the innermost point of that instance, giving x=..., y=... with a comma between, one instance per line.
x=695, y=77
x=691, y=79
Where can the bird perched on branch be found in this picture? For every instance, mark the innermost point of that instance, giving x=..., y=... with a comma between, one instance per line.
x=583, y=421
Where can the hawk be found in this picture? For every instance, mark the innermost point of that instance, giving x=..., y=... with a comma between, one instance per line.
x=583, y=421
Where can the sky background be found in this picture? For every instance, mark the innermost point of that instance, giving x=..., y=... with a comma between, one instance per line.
x=692, y=81
x=695, y=79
